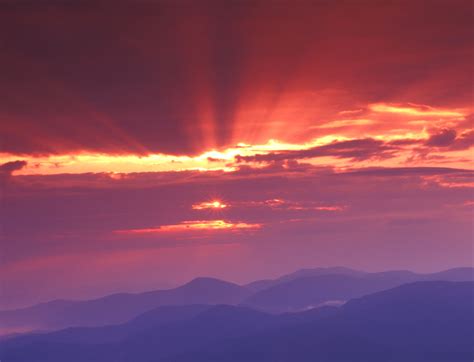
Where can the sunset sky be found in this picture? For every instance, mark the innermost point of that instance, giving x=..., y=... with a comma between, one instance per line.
x=143, y=144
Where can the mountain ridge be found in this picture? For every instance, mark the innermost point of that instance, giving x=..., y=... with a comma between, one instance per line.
x=420, y=321
x=120, y=307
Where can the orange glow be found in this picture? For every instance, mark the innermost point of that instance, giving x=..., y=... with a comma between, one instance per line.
x=416, y=110
x=330, y=208
x=197, y=225
x=216, y=204
x=275, y=202
x=116, y=166
x=208, y=161
x=375, y=121
x=302, y=206
x=346, y=123
x=317, y=208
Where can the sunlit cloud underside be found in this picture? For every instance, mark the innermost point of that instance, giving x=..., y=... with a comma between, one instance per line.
x=423, y=135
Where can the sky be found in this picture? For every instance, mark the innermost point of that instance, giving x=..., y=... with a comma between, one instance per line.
x=143, y=144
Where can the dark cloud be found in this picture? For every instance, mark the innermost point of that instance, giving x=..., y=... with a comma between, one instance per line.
x=464, y=141
x=409, y=171
x=443, y=138
x=357, y=150
x=450, y=139
x=9, y=167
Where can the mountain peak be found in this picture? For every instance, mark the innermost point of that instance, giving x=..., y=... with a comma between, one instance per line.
x=207, y=281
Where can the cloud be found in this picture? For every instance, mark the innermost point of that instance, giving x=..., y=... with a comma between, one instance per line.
x=419, y=110
x=409, y=171
x=321, y=218
x=346, y=123
x=443, y=138
x=210, y=75
x=449, y=140
x=464, y=141
x=289, y=205
x=9, y=167
x=194, y=226
x=210, y=205
x=357, y=150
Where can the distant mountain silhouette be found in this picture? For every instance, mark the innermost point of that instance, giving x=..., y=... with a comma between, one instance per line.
x=421, y=321
x=311, y=272
x=157, y=317
x=118, y=308
x=304, y=289
x=314, y=287
x=455, y=275
x=134, y=341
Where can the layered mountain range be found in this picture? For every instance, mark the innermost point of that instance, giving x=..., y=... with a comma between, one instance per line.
x=322, y=314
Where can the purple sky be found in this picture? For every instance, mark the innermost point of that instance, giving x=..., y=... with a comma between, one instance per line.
x=144, y=144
